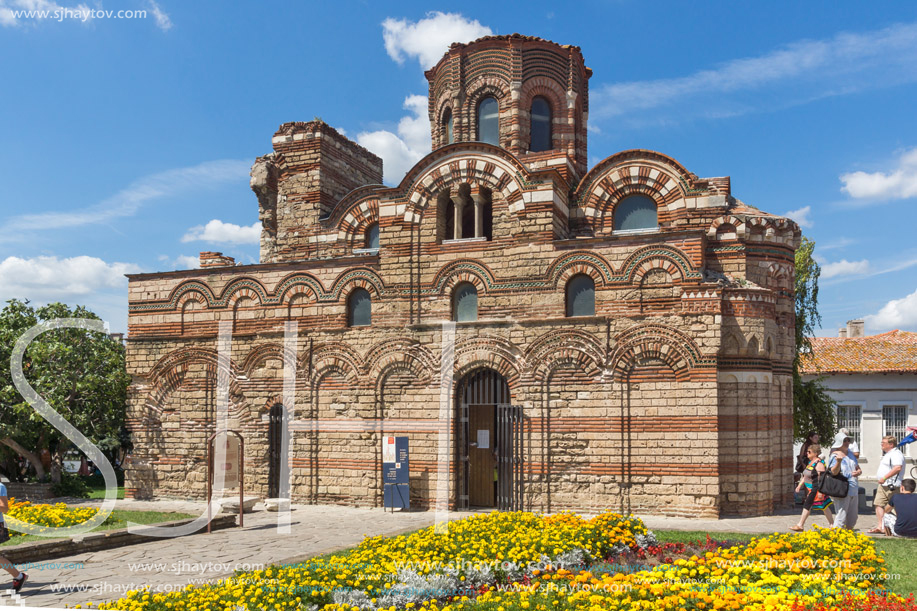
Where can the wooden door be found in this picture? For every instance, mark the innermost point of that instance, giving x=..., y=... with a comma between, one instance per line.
x=481, y=463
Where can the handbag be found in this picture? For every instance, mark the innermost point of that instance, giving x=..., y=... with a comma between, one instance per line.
x=4, y=533
x=833, y=485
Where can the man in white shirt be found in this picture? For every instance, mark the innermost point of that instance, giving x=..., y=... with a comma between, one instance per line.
x=18, y=576
x=891, y=471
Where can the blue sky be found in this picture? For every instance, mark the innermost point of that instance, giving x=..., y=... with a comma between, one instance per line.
x=125, y=143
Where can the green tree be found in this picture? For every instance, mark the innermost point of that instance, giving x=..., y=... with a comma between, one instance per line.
x=813, y=408
x=81, y=374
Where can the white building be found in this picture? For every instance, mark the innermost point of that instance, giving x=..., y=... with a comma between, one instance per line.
x=874, y=381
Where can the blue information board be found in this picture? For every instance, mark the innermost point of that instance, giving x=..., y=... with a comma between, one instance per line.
x=395, y=473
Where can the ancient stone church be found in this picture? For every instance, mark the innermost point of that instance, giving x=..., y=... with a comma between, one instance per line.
x=619, y=337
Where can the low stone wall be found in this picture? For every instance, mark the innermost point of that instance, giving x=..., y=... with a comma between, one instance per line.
x=59, y=548
x=29, y=492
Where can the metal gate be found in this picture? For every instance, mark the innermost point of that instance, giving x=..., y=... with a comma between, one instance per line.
x=509, y=460
x=274, y=441
x=486, y=388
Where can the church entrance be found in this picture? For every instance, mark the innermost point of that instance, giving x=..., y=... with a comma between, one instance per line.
x=489, y=443
x=275, y=441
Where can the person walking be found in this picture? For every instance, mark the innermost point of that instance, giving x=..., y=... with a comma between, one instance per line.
x=854, y=447
x=840, y=462
x=889, y=475
x=802, y=459
x=18, y=576
x=814, y=498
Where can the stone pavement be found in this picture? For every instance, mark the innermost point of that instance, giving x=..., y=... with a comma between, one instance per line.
x=170, y=564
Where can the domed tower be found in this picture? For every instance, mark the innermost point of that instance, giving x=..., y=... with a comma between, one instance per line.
x=525, y=94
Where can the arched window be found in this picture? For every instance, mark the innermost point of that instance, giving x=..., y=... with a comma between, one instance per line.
x=447, y=125
x=465, y=303
x=541, y=126
x=372, y=236
x=581, y=296
x=635, y=212
x=359, y=308
x=489, y=121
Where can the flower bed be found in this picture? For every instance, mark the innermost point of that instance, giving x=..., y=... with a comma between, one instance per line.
x=55, y=516
x=527, y=562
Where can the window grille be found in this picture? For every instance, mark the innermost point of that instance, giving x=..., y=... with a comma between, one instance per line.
x=848, y=417
x=894, y=421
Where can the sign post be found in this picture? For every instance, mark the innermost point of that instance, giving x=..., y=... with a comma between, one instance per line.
x=230, y=468
x=395, y=473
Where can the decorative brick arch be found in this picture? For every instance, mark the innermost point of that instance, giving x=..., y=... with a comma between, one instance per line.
x=556, y=96
x=169, y=372
x=579, y=347
x=259, y=355
x=337, y=358
x=401, y=354
x=297, y=284
x=657, y=342
x=250, y=287
x=482, y=165
x=242, y=292
x=657, y=256
x=356, y=220
x=191, y=295
x=737, y=223
x=488, y=352
x=463, y=270
x=568, y=265
x=477, y=90
x=634, y=172
x=361, y=277
x=175, y=298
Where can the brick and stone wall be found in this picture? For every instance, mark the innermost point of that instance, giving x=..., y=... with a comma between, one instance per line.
x=674, y=398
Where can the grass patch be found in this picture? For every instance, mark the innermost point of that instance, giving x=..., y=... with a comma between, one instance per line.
x=99, y=493
x=694, y=536
x=118, y=519
x=901, y=562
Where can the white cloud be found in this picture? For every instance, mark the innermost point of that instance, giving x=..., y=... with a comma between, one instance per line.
x=181, y=262
x=899, y=183
x=797, y=73
x=844, y=268
x=896, y=314
x=163, y=22
x=128, y=201
x=801, y=216
x=428, y=39
x=9, y=8
x=218, y=232
x=401, y=151
x=50, y=278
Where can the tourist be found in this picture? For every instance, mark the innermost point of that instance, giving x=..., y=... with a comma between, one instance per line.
x=889, y=475
x=18, y=576
x=854, y=447
x=814, y=499
x=841, y=462
x=903, y=523
x=802, y=460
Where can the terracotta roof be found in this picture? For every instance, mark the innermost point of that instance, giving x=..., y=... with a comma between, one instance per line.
x=892, y=352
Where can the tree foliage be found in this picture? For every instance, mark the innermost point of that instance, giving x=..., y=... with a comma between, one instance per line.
x=813, y=408
x=81, y=374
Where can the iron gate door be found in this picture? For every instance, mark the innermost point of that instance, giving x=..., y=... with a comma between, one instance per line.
x=274, y=440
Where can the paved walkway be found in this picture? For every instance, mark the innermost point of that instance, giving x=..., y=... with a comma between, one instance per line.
x=170, y=564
